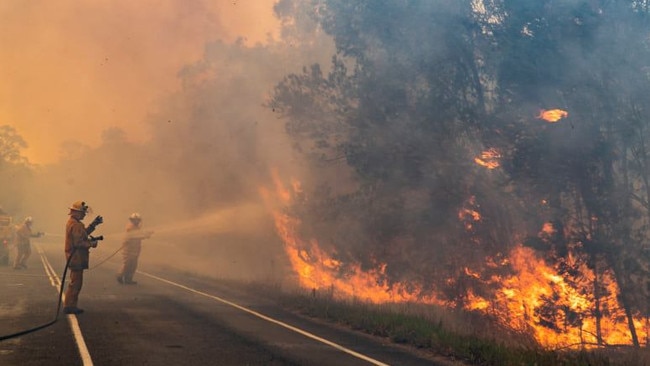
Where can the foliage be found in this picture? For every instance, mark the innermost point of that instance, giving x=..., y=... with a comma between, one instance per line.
x=434, y=334
x=15, y=170
x=10, y=145
x=419, y=88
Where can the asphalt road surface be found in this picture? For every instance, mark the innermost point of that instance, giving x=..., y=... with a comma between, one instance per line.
x=168, y=318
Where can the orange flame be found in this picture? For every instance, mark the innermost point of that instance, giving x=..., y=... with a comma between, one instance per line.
x=521, y=300
x=552, y=115
x=489, y=159
x=318, y=269
x=536, y=298
x=548, y=228
x=468, y=214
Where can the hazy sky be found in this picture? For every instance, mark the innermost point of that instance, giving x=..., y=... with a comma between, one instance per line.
x=70, y=69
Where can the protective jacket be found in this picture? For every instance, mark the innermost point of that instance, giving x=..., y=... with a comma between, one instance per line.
x=77, y=244
x=133, y=240
x=23, y=235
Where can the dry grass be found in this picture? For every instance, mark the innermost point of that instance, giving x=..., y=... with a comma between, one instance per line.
x=459, y=334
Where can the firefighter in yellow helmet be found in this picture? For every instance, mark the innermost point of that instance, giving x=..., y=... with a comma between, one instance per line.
x=22, y=242
x=77, y=246
x=131, y=248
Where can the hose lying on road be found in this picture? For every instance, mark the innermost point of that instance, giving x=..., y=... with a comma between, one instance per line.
x=56, y=315
x=58, y=307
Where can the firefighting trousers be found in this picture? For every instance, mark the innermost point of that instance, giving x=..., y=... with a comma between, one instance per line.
x=74, y=287
x=129, y=267
x=22, y=254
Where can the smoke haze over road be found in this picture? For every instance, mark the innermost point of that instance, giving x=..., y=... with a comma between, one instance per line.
x=156, y=108
x=70, y=66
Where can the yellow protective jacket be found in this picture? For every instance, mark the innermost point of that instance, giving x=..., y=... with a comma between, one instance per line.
x=23, y=235
x=133, y=240
x=76, y=244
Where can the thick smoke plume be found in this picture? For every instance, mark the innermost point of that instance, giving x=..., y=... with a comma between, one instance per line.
x=418, y=150
x=196, y=180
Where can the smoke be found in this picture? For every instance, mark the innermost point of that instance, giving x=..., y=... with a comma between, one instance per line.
x=210, y=142
x=429, y=87
x=107, y=63
x=173, y=121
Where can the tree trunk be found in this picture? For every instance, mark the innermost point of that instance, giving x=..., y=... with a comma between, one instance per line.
x=597, y=313
x=630, y=324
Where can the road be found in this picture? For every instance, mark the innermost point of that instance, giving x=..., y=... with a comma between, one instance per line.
x=168, y=318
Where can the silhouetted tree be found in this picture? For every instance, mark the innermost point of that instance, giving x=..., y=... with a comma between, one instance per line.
x=15, y=169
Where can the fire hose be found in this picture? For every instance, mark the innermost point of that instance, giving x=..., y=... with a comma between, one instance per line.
x=114, y=253
x=107, y=258
x=58, y=306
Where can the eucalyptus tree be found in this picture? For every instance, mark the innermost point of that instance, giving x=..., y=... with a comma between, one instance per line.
x=14, y=167
x=402, y=107
x=11, y=144
x=589, y=58
x=419, y=87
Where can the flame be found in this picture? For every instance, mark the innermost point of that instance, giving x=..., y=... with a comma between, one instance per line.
x=468, y=214
x=489, y=159
x=552, y=115
x=548, y=228
x=318, y=269
x=536, y=298
x=536, y=287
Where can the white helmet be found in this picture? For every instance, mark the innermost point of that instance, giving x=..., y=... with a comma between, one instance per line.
x=79, y=206
x=135, y=217
x=28, y=220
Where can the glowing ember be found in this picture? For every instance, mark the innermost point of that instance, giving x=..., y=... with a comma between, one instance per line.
x=548, y=228
x=489, y=159
x=468, y=214
x=552, y=115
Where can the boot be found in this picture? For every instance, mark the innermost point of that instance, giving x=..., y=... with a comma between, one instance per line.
x=72, y=310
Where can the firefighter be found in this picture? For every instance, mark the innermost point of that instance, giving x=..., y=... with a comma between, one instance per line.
x=77, y=252
x=6, y=237
x=131, y=248
x=22, y=242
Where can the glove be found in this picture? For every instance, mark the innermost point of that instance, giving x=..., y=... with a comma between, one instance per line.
x=98, y=220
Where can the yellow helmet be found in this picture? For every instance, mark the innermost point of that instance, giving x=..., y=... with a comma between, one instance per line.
x=79, y=206
x=28, y=220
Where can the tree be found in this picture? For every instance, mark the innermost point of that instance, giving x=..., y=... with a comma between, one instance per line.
x=14, y=168
x=418, y=89
x=11, y=144
x=582, y=165
x=401, y=107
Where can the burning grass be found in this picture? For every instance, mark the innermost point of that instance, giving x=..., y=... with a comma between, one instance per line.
x=538, y=313
x=459, y=335
x=456, y=334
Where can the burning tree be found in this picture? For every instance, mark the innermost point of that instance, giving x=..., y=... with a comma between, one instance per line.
x=581, y=167
x=407, y=111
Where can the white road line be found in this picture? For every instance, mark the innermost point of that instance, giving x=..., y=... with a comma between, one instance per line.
x=72, y=319
x=54, y=280
x=262, y=316
x=81, y=344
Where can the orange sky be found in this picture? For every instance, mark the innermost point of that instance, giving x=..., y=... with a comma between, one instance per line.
x=70, y=69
